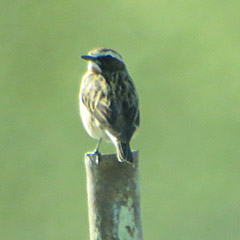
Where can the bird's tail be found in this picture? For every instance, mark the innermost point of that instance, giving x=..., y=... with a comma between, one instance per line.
x=124, y=152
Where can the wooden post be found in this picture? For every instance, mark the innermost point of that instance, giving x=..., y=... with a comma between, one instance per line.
x=113, y=198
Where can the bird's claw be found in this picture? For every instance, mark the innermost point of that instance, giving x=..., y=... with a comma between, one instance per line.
x=97, y=154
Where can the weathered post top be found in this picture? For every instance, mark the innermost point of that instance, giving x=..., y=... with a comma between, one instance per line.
x=113, y=198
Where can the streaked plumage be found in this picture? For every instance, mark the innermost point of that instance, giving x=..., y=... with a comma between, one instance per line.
x=108, y=101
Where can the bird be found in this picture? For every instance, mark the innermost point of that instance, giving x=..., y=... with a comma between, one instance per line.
x=109, y=103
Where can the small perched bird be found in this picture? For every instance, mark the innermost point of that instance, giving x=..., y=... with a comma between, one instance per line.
x=108, y=101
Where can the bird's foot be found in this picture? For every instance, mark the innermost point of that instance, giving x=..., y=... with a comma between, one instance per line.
x=95, y=154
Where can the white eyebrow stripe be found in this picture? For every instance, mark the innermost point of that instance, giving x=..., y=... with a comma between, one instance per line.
x=108, y=53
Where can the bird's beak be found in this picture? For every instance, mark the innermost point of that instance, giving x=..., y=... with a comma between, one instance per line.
x=88, y=57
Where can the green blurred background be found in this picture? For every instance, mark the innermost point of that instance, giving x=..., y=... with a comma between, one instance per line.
x=184, y=57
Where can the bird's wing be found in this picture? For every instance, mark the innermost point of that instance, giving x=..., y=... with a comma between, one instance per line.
x=94, y=96
x=125, y=117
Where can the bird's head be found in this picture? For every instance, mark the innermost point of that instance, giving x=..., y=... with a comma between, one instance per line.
x=103, y=60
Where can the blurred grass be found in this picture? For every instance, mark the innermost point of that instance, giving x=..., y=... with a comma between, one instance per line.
x=184, y=57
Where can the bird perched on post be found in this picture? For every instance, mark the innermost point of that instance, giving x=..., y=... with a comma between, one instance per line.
x=109, y=102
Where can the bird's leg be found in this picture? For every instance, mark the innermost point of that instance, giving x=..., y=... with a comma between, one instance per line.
x=96, y=152
x=98, y=145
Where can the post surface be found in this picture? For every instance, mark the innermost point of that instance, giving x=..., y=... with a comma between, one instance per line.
x=113, y=198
